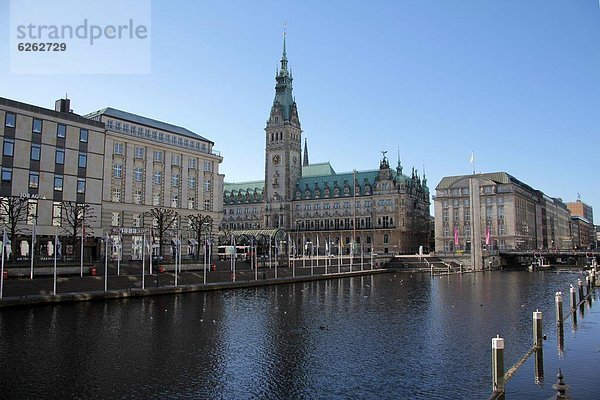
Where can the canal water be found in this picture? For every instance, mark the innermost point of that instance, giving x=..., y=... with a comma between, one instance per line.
x=388, y=336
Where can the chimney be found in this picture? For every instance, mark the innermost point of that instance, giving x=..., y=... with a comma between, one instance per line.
x=63, y=105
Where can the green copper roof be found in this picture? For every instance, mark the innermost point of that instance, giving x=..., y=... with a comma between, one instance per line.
x=243, y=186
x=319, y=169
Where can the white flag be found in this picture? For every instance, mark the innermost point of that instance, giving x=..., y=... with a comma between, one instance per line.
x=472, y=157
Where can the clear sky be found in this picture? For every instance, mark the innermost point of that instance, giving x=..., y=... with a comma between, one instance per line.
x=515, y=81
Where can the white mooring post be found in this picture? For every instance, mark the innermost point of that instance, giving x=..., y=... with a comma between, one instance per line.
x=559, y=308
x=537, y=329
x=497, y=364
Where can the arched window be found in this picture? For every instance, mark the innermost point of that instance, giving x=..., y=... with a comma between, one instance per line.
x=386, y=239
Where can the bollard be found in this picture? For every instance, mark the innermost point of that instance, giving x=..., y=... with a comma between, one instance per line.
x=559, y=308
x=573, y=298
x=537, y=329
x=560, y=387
x=580, y=284
x=498, y=364
x=461, y=270
x=587, y=286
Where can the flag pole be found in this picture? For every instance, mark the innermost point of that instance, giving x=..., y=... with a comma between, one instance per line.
x=106, y=263
x=2, y=253
x=143, y=259
x=205, y=250
x=55, y=251
x=32, y=250
x=81, y=249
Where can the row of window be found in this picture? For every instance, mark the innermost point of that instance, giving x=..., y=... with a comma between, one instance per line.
x=157, y=177
x=466, y=202
x=138, y=198
x=346, y=204
x=34, y=180
x=36, y=127
x=158, y=156
x=466, y=230
x=8, y=150
x=157, y=135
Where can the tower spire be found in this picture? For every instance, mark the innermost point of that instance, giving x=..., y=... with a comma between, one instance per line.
x=305, y=160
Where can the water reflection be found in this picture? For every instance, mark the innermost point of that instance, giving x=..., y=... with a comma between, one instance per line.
x=383, y=336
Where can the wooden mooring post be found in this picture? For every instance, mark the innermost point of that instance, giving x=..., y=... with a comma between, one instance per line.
x=537, y=329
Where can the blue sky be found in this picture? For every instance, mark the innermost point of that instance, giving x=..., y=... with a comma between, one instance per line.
x=515, y=81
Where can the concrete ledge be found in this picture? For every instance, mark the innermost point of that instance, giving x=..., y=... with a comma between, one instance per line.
x=71, y=297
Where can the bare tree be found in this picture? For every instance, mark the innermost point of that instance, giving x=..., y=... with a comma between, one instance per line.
x=225, y=236
x=163, y=219
x=13, y=213
x=74, y=218
x=202, y=226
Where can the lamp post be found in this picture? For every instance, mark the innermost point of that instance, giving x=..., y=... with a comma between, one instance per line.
x=353, y=219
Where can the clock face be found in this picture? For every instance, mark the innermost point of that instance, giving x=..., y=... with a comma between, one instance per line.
x=276, y=159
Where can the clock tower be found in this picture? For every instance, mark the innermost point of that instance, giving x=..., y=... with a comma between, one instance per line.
x=283, y=163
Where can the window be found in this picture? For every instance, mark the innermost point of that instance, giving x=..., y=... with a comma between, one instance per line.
x=158, y=156
x=174, y=201
x=10, y=120
x=206, y=204
x=80, y=185
x=191, y=203
x=83, y=135
x=37, y=126
x=58, y=183
x=82, y=160
x=34, y=180
x=56, y=214
x=192, y=182
x=157, y=177
x=139, y=152
x=60, y=156
x=118, y=148
x=137, y=197
x=6, y=175
x=36, y=150
x=116, y=194
x=9, y=147
x=192, y=163
x=175, y=180
x=61, y=131
x=175, y=159
x=156, y=199
x=138, y=173
x=207, y=186
x=208, y=166
x=116, y=219
x=118, y=171
x=31, y=211
x=137, y=220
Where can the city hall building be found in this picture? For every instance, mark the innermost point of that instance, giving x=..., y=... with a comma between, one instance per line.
x=381, y=209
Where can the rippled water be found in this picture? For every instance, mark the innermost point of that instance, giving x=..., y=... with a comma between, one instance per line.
x=389, y=336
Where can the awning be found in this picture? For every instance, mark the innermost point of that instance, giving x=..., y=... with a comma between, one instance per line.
x=193, y=242
x=175, y=241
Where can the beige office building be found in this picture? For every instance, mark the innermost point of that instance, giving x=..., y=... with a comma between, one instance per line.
x=151, y=164
x=513, y=215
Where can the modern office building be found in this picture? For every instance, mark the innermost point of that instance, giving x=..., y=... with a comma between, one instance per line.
x=582, y=222
x=380, y=209
x=52, y=160
x=507, y=213
x=152, y=164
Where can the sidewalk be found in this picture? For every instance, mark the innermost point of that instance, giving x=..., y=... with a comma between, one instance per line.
x=24, y=291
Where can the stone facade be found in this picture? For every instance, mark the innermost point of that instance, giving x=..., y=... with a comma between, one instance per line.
x=151, y=164
x=380, y=210
x=513, y=216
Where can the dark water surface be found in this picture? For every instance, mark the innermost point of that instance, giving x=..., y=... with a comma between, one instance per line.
x=389, y=336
